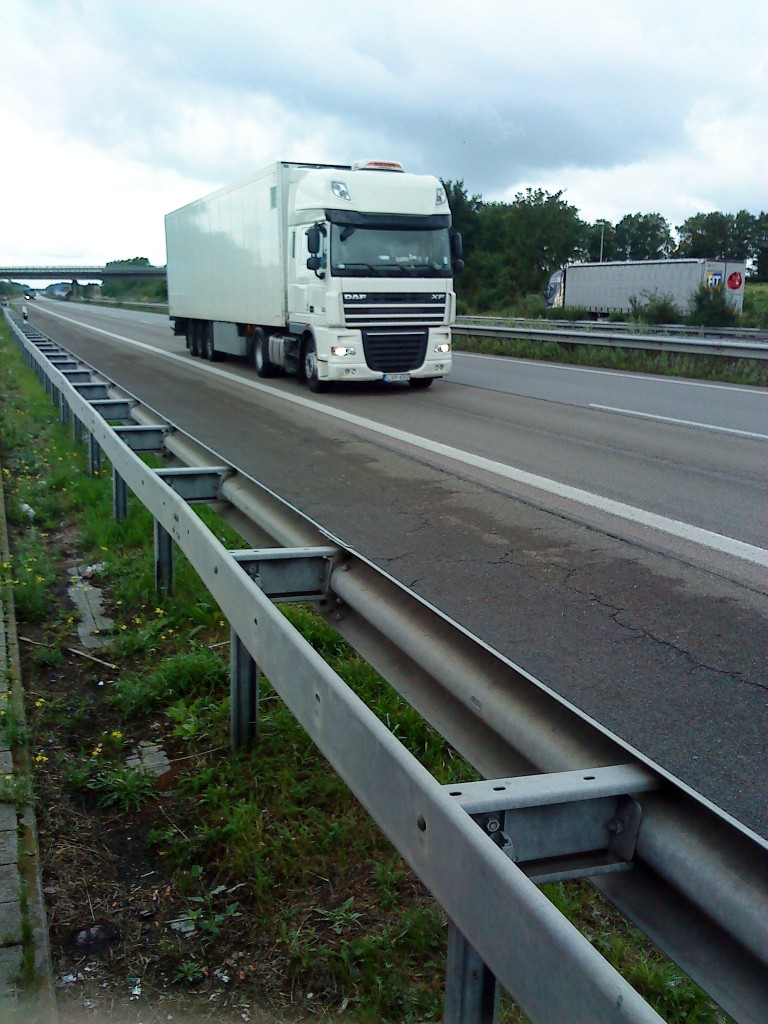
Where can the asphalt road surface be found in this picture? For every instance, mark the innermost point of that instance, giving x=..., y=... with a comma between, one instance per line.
x=605, y=531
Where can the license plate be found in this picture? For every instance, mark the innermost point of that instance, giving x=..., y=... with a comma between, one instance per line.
x=397, y=378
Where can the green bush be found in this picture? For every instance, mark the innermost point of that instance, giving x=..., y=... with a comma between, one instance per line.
x=710, y=308
x=653, y=308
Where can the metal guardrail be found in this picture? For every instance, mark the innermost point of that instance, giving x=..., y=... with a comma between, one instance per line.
x=564, y=797
x=619, y=326
x=742, y=345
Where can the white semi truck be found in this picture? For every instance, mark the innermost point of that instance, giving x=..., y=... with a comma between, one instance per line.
x=604, y=288
x=327, y=272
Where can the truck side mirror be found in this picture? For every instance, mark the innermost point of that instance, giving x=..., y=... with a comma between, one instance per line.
x=314, y=263
x=458, y=266
x=456, y=246
x=313, y=241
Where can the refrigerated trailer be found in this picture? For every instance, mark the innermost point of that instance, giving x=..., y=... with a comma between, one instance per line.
x=603, y=288
x=330, y=272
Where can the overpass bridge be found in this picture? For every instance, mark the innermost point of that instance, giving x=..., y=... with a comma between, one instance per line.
x=75, y=274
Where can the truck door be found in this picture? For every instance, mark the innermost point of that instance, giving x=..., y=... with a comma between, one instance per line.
x=306, y=292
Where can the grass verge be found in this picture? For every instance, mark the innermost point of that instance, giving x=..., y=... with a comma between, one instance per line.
x=244, y=882
x=666, y=364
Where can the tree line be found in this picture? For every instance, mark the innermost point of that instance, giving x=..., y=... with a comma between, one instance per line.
x=511, y=249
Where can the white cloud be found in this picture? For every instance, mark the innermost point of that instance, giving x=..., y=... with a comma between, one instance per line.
x=721, y=167
x=73, y=203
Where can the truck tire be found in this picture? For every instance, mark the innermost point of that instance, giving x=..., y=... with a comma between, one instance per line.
x=261, y=360
x=309, y=364
x=194, y=338
x=421, y=383
x=209, y=349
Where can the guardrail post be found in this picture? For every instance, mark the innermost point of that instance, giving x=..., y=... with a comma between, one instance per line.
x=119, y=497
x=163, y=560
x=94, y=456
x=244, y=695
x=64, y=412
x=79, y=429
x=471, y=990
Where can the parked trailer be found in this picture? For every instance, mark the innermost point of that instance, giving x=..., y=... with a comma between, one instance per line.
x=604, y=288
x=328, y=272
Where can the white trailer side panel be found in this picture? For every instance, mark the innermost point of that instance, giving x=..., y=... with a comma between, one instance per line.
x=609, y=287
x=226, y=253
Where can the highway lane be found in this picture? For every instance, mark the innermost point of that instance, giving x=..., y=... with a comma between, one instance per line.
x=706, y=405
x=659, y=637
x=710, y=476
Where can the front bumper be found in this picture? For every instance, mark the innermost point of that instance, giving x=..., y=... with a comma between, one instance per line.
x=387, y=361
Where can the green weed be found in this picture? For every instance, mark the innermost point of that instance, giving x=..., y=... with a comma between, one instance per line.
x=209, y=916
x=16, y=789
x=194, y=673
x=189, y=972
x=122, y=787
x=32, y=577
x=13, y=727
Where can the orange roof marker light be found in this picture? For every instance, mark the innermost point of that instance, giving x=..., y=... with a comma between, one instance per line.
x=377, y=165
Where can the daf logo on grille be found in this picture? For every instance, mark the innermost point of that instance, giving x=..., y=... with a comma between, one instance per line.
x=355, y=296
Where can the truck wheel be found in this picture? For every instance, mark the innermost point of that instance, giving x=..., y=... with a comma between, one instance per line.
x=261, y=360
x=310, y=369
x=421, y=383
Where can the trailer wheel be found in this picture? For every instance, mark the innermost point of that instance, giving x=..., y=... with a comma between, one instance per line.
x=264, y=366
x=194, y=337
x=209, y=349
x=309, y=363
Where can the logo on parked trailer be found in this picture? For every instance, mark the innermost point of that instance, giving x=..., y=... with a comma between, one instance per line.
x=734, y=281
x=714, y=279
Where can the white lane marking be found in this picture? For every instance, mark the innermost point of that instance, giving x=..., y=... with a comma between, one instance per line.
x=639, y=377
x=673, y=527
x=679, y=423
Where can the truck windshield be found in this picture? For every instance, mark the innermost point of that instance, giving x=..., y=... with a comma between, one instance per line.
x=389, y=252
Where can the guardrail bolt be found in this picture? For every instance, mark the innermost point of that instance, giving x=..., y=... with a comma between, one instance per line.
x=492, y=825
x=616, y=826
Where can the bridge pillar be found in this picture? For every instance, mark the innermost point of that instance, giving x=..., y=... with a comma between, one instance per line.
x=74, y=290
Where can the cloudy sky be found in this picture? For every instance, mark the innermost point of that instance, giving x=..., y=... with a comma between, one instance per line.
x=117, y=111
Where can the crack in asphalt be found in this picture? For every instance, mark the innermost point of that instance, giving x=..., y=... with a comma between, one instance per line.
x=642, y=634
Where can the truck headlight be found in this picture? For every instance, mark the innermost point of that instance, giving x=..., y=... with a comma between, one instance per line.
x=443, y=347
x=343, y=350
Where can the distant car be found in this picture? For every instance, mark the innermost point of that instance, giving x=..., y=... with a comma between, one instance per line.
x=29, y=295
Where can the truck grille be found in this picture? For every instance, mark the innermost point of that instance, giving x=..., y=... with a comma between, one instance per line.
x=394, y=351
x=371, y=308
